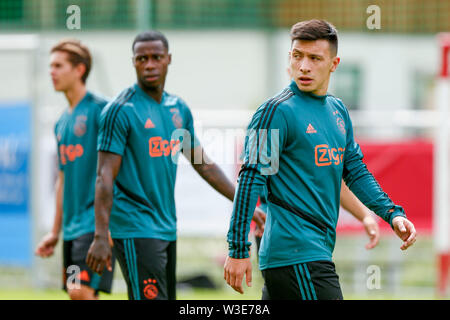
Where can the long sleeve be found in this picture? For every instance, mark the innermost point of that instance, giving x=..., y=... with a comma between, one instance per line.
x=264, y=143
x=363, y=184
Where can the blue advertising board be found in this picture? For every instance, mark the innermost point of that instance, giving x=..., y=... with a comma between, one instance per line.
x=15, y=209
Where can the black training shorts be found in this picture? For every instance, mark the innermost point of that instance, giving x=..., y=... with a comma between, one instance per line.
x=148, y=266
x=315, y=280
x=75, y=267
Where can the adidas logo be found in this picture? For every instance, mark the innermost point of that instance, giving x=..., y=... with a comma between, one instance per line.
x=149, y=124
x=310, y=129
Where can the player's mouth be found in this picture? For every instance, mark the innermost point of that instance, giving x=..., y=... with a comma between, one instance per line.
x=151, y=78
x=305, y=80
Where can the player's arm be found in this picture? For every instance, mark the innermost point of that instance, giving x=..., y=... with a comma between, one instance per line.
x=99, y=254
x=269, y=136
x=362, y=183
x=47, y=245
x=217, y=179
x=352, y=204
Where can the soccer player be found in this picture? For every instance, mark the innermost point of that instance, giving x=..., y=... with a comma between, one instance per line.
x=347, y=200
x=142, y=133
x=300, y=145
x=76, y=134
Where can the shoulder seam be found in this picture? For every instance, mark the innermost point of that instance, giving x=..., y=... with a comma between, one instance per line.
x=271, y=106
x=112, y=114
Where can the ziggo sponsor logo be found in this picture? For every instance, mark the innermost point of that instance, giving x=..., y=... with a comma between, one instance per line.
x=159, y=147
x=326, y=156
x=70, y=152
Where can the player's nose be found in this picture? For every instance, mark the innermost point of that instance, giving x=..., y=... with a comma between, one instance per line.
x=304, y=66
x=150, y=65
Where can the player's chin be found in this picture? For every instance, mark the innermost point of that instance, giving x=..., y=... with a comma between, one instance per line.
x=59, y=88
x=307, y=87
x=150, y=84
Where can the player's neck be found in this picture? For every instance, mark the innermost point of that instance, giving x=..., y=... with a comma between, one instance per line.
x=155, y=93
x=75, y=94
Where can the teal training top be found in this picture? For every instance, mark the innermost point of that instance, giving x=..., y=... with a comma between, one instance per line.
x=149, y=136
x=300, y=146
x=76, y=134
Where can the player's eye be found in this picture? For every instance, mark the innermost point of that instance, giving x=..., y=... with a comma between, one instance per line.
x=298, y=54
x=141, y=58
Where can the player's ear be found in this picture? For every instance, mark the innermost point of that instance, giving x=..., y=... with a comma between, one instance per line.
x=80, y=69
x=170, y=58
x=334, y=63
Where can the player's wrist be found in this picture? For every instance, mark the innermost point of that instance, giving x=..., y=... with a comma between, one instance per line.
x=398, y=218
x=54, y=234
x=367, y=219
x=101, y=236
x=397, y=212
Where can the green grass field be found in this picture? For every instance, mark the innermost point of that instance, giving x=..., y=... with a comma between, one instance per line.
x=197, y=294
x=59, y=295
x=404, y=275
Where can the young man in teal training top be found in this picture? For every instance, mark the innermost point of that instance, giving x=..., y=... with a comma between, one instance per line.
x=300, y=145
x=76, y=136
x=142, y=133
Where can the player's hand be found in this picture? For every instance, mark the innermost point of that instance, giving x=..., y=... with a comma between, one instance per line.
x=234, y=270
x=46, y=247
x=372, y=230
x=405, y=230
x=259, y=217
x=99, y=254
x=258, y=231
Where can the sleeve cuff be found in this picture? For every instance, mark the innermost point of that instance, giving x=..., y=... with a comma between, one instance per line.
x=397, y=212
x=111, y=150
x=238, y=254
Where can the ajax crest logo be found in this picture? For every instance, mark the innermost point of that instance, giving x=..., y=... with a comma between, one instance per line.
x=341, y=125
x=176, y=118
x=150, y=290
x=80, y=126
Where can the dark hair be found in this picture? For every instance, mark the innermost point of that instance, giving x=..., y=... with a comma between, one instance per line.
x=151, y=35
x=315, y=30
x=78, y=53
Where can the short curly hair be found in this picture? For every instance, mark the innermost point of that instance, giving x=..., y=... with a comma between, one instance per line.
x=151, y=35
